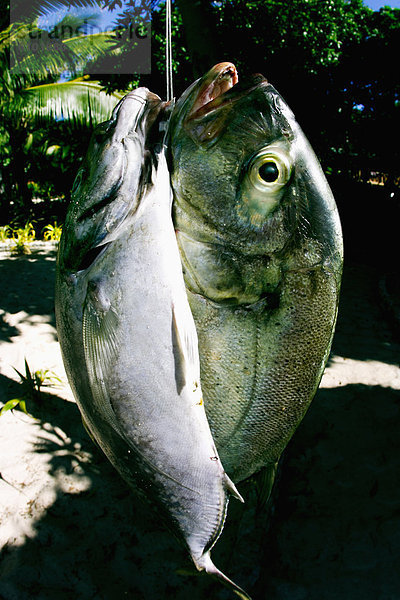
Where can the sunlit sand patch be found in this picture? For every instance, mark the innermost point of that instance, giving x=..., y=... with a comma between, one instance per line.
x=29, y=485
x=344, y=371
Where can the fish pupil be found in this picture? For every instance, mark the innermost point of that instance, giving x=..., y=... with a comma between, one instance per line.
x=269, y=172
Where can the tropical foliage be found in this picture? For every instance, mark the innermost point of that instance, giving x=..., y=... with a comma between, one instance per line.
x=333, y=60
x=43, y=116
x=31, y=383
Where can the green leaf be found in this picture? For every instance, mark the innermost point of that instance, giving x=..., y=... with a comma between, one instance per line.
x=20, y=374
x=89, y=47
x=10, y=405
x=33, y=56
x=54, y=149
x=22, y=406
x=80, y=101
x=22, y=10
x=28, y=372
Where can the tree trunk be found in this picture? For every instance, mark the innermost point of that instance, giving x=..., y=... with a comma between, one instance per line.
x=200, y=35
x=21, y=194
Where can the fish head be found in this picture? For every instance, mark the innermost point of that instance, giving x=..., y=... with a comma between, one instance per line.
x=242, y=171
x=109, y=184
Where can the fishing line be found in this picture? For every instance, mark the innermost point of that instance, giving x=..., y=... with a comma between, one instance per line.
x=168, y=50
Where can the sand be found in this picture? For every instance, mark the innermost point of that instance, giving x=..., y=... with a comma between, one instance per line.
x=69, y=527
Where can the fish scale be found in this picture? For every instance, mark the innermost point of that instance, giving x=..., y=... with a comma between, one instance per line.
x=249, y=373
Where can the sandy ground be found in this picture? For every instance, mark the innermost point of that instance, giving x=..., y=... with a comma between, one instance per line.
x=69, y=527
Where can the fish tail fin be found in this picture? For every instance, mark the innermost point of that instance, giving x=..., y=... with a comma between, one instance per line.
x=205, y=563
x=231, y=487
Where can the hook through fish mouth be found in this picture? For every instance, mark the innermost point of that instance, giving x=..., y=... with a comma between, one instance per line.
x=220, y=87
x=217, y=82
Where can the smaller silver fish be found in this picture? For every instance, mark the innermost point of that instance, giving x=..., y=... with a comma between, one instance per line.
x=127, y=334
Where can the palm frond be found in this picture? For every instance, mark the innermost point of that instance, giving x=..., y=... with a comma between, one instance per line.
x=90, y=47
x=35, y=56
x=21, y=10
x=80, y=102
x=53, y=57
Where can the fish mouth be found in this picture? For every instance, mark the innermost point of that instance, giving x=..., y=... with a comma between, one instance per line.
x=211, y=99
x=219, y=80
x=219, y=87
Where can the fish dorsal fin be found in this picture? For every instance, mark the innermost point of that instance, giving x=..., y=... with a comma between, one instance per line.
x=100, y=346
x=185, y=338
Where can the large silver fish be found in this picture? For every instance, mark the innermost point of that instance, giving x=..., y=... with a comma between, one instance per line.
x=261, y=247
x=126, y=331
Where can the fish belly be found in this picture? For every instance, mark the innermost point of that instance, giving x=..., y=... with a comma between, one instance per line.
x=260, y=367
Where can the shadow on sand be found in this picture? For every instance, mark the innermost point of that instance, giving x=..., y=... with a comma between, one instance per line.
x=27, y=284
x=102, y=543
x=335, y=531
x=336, y=526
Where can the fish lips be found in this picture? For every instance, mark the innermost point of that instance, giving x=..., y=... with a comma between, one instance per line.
x=205, y=108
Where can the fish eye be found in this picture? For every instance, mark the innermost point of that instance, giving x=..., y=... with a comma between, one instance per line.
x=270, y=169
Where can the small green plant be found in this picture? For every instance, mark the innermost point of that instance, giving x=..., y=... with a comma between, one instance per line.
x=31, y=388
x=22, y=237
x=5, y=232
x=52, y=232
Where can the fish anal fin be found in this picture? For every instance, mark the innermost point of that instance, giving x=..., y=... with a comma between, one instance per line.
x=231, y=487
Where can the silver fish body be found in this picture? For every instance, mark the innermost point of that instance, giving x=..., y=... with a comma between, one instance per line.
x=127, y=334
x=261, y=248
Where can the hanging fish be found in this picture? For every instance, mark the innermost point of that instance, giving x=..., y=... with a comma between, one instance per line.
x=261, y=248
x=127, y=335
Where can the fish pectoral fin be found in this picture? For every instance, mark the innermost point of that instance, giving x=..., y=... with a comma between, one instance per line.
x=264, y=484
x=205, y=562
x=100, y=346
x=231, y=487
x=184, y=337
x=86, y=427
